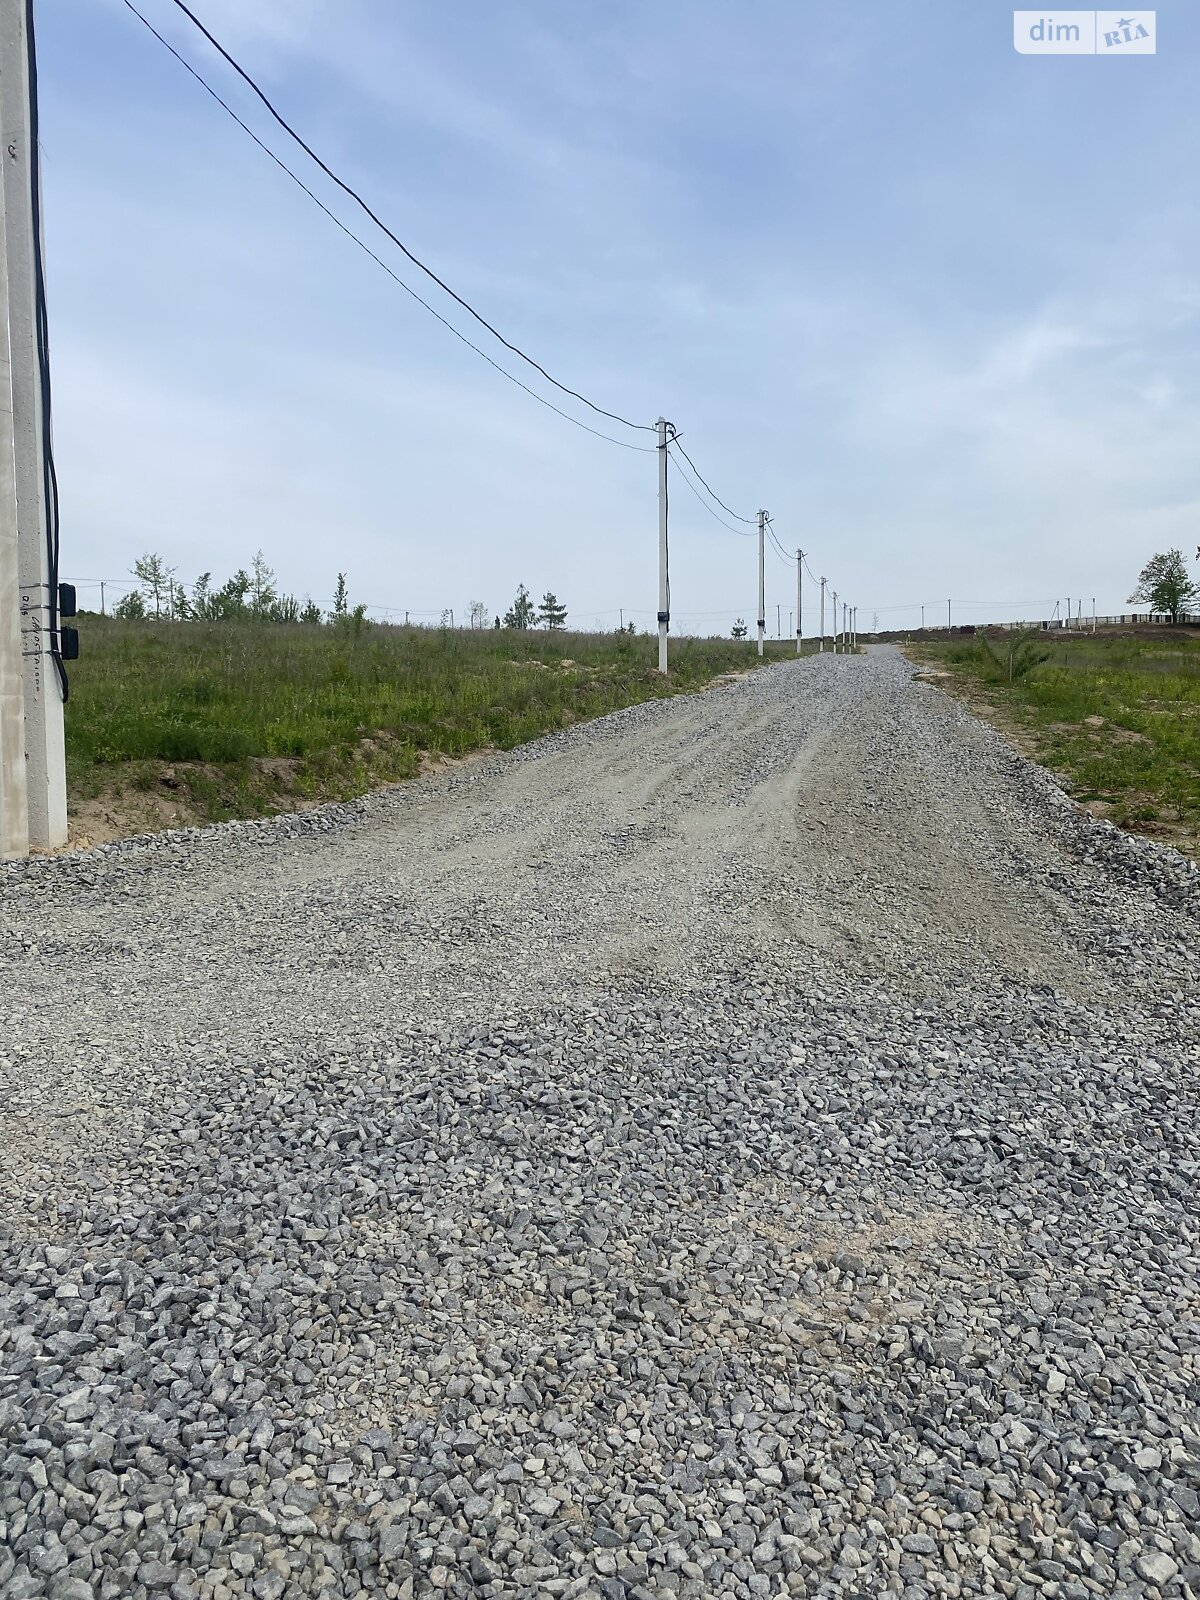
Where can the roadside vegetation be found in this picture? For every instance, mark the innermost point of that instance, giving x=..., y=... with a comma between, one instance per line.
x=1116, y=713
x=175, y=722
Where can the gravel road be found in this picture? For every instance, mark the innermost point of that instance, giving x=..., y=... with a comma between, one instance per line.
x=743, y=1146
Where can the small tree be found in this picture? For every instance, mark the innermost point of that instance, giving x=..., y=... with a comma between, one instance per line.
x=739, y=629
x=522, y=613
x=262, y=588
x=553, y=614
x=339, y=598
x=131, y=607
x=1164, y=585
x=229, y=602
x=479, y=614
x=311, y=612
x=1016, y=658
x=201, y=602
x=156, y=578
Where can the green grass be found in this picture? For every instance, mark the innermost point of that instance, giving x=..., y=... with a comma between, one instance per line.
x=334, y=712
x=1142, y=761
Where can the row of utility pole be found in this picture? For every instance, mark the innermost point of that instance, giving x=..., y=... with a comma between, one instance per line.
x=33, y=788
x=845, y=636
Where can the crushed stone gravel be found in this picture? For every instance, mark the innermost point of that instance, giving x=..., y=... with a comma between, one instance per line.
x=743, y=1146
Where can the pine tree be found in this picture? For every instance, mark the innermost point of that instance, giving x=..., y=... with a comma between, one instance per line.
x=522, y=613
x=553, y=614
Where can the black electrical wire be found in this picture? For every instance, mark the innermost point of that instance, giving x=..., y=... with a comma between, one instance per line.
x=779, y=550
x=751, y=521
x=363, y=246
x=742, y=533
x=379, y=223
x=42, y=334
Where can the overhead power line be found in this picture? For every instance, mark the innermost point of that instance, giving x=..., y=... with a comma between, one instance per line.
x=366, y=248
x=742, y=533
x=354, y=195
x=750, y=521
x=779, y=550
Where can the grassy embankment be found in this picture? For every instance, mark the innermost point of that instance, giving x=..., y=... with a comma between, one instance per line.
x=1118, y=716
x=171, y=724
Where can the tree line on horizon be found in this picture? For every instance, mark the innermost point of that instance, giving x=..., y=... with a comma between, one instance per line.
x=255, y=596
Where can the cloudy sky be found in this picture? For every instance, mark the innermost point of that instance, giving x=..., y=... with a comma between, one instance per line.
x=933, y=303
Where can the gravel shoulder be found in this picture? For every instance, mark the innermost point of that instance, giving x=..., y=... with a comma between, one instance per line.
x=746, y=1145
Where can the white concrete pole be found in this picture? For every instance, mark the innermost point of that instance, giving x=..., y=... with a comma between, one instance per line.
x=762, y=580
x=1093, y=614
x=947, y=616
x=821, y=645
x=835, y=620
x=45, y=755
x=664, y=589
x=14, y=809
x=799, y=601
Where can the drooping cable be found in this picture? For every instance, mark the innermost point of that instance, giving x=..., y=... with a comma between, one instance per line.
x=366, y=249
x=354, y=195
x=742, y=533
x=42, y=335
x=779, y=550
x=750, y=521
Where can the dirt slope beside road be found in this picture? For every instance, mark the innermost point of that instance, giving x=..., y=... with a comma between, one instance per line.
x=744, y=1146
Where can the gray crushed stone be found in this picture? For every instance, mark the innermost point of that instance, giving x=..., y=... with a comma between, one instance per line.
x=743, y=1146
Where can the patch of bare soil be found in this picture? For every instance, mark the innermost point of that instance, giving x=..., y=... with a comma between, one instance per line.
x=121, y=811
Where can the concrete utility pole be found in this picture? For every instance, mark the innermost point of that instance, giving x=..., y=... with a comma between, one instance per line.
x=799, y=599
x=835, y=620
x=23, y=444
x=762, y=579
x=14, y=810
x=664, y=587
x=821, y=646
